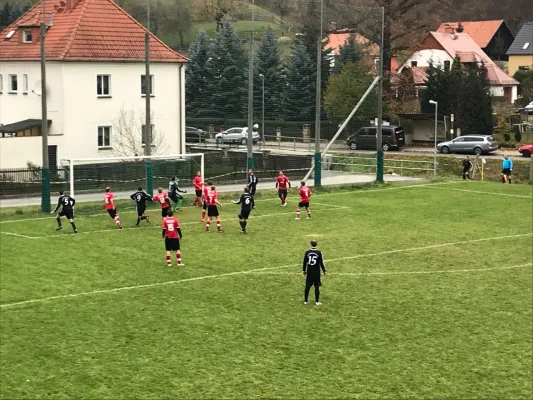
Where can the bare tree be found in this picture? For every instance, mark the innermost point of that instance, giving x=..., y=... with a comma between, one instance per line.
x=128, y=134
x=216, y=10
x=178, y=20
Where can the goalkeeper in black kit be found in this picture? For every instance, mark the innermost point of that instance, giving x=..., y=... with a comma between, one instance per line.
x=313, y=263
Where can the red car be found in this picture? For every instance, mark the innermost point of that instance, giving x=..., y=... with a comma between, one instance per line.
x=526, y=150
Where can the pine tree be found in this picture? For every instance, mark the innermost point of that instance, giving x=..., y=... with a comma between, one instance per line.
x=475, y=108
x=197, y=75
x=228, y=70
x=435, y=89
x=299, y=94
x=348, y=52
x=268, y=63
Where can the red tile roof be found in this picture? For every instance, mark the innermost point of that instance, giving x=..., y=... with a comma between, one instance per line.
x=481, y=31
x=89, y=30
x=336, y=40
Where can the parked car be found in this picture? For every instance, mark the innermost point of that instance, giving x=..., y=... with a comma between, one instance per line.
x=526, y=150
x=477, y=144
x=195, y=135
x=236, y=135
x=365, y=138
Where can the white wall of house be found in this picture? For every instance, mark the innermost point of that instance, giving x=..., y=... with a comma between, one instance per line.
x=499, y=91
x=77, y=111
x=424, y=57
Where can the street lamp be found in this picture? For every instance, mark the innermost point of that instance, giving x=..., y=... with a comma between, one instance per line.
x=436, y=104
x=263, y=106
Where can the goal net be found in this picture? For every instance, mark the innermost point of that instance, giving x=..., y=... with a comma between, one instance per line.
x=90, y=175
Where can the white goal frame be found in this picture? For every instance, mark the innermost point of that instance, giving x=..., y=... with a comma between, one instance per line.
x=72, y=162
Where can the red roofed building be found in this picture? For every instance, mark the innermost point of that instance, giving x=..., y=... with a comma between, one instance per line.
x=494, y=37
x=95, y=72
x=442, y=48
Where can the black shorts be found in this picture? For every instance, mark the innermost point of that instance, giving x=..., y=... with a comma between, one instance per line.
x=141, y=209
x=164, y=211
x=172, y=244
x=173, y=197
x=244, y=214
x=313, y=280
x=198, y=193
x=212, y=211
x=67, y=212
x=112, y=212
x=282, y=193
x=204, y=205
x=506, y=171
x=465, y=170
x=301, y=204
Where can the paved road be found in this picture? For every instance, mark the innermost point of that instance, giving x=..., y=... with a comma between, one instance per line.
x=328, y=178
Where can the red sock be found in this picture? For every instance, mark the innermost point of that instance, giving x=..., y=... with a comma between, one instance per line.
x=199, y=201
x=297, y=213
x=178, y=256
x=207, y=225
x=203, y=215
x=218, y=225
x=169, y=260
x=283, y=199
x=117, y=220
x=308, y=213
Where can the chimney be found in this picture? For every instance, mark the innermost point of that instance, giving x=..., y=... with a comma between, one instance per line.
x=449, y=29
x=332, y=26
x=71, y=4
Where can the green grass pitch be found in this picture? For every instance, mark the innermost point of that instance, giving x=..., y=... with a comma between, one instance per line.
x=428, y=295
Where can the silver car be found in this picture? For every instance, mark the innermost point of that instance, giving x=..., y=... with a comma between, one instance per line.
x=477, y=144
x=236, y=135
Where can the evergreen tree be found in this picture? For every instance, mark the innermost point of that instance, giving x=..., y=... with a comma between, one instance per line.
x=348, y=52
x=197, y=75
x=406, y=86
x=228, y=71
x=299, y=94
x=475, y=107
x=435, y=89
x=268, y=63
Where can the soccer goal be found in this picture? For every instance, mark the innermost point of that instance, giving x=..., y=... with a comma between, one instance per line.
x=89, y=175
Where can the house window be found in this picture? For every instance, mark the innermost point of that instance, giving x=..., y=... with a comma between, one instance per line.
x=26, y=36
x=103, y=88
x=414, y=63
x=144, y=134
x=104, y=137
x=25, y=83
x=525, y=46
x=446, y=65
x=1, y=84
x=143, y=85
x=523, y=68
x=13, y=84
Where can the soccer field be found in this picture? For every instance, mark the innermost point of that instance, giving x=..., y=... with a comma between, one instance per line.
x=428, y=295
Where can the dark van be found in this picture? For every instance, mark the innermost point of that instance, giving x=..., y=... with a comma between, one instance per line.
x=365, y=138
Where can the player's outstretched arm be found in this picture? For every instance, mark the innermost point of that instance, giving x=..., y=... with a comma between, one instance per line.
x=218, y=203
x=57, y=207
x=179, y=233
x=132, y=196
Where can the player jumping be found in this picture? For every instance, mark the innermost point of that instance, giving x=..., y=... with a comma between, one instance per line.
x=67, y=210
x=204, y=199
x=198, y=183
x=212, y=210
x=172, y=235
x=140, y=197
x=252, y=182
x=281, y=185
x=109, y=204
x=162, y=198
x=174, y=193
x=247, y=203
x=305, y=194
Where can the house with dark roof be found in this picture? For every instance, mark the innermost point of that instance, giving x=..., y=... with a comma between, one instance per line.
x=493, y=37
x=521, y=51
x=95, y=70
x=442, y=48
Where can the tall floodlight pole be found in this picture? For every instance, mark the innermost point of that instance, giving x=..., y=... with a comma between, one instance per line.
x=250, y=141
x=148, y=108
x=436, y=104
x=262, y=106
x=45, y=177
x=318, y=159
x=379, y=138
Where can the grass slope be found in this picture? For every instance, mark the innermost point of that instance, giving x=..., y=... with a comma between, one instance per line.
x=414, y=306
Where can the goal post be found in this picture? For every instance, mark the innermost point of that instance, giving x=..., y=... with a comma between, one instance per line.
x=127, y=173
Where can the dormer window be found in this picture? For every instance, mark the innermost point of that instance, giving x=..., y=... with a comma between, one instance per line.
x=526, y=45
x=26, y=36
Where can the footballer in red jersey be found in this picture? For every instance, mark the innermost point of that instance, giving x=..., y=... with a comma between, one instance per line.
x=212, y=210
x=305, y=194
x=172, y=235
x=163, y=199
x=109, y=204
x=198, y=183
x=204, y=201
x=283, y=184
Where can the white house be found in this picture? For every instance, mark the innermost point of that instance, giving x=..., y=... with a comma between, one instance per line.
x=441, y=49
x=95, y=93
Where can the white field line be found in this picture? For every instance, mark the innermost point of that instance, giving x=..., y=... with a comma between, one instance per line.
x=152, y=226
x=236, y=273
x=441, y=271
x=487, y=193
x=272, y=199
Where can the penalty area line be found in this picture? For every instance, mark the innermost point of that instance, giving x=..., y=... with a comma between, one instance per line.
x=486, y=193
x=251, y=271
x=21, y=236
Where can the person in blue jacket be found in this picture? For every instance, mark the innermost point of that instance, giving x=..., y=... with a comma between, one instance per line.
x=507, y=169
